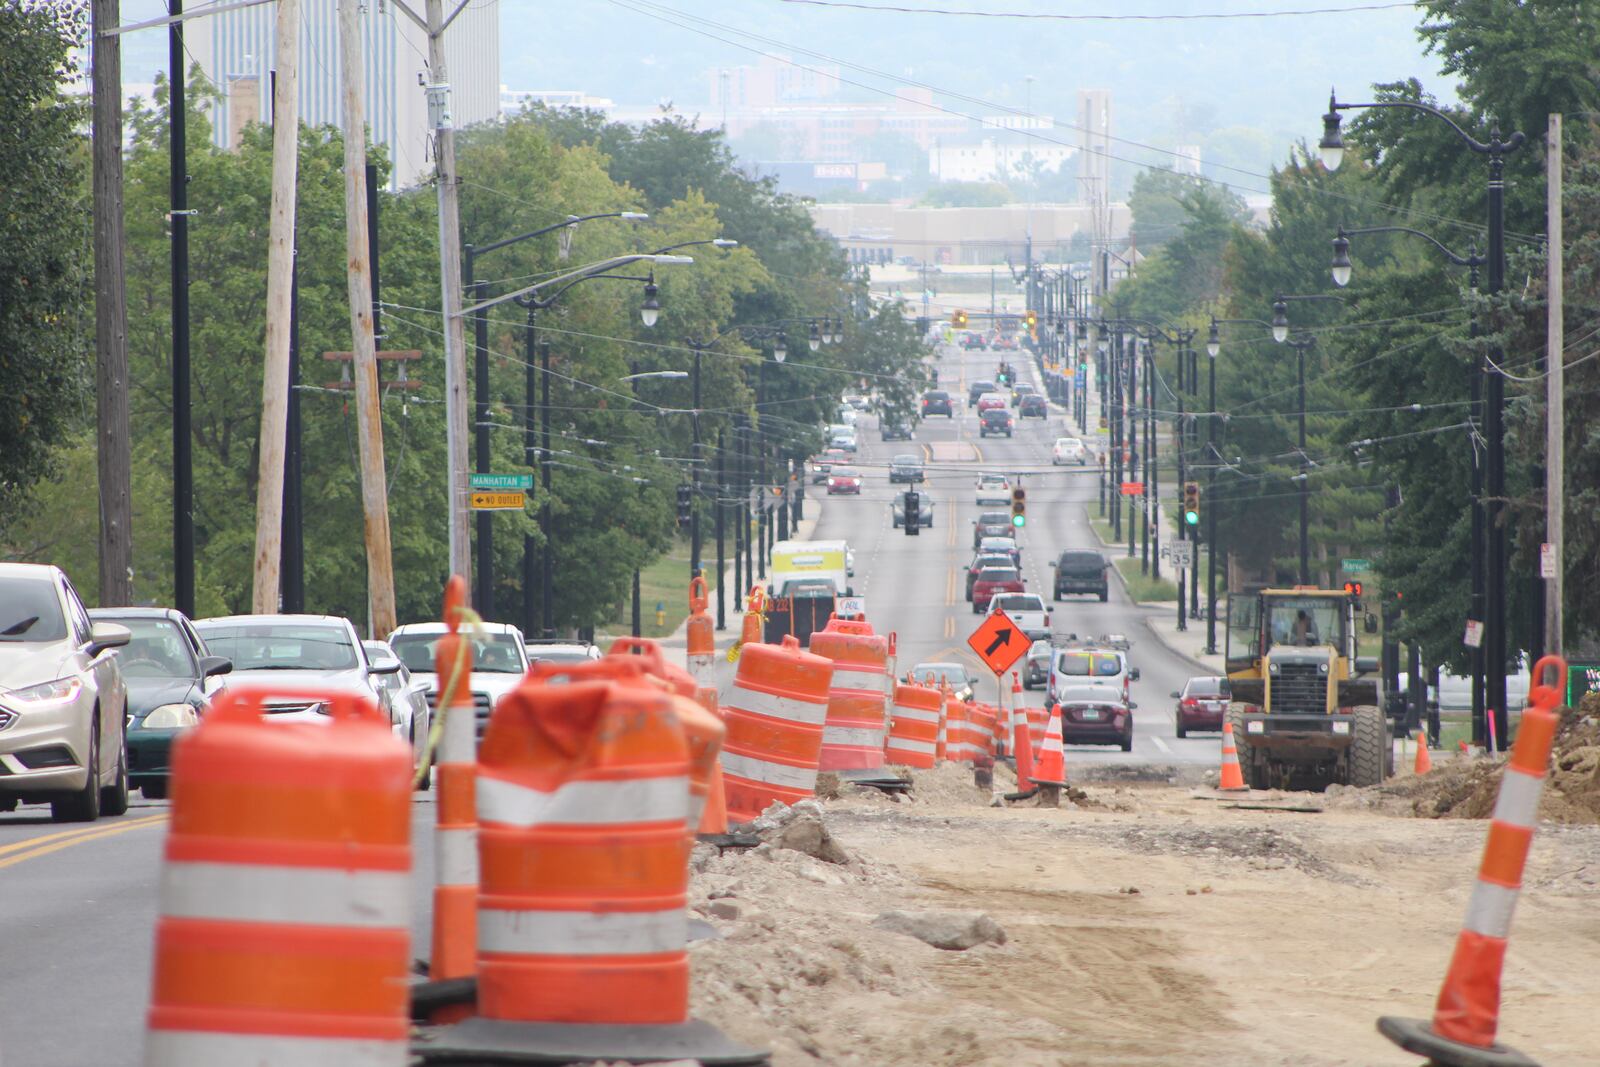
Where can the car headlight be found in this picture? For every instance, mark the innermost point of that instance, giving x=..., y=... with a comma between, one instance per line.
x=60, y=691
x=171, y=717
x=1322, y=668
x=1273, y=668
x=1341, y=727
x=1256, y=727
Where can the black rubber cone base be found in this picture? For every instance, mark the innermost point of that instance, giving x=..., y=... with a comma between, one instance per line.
x=1416, y=1035
x=490, y=1042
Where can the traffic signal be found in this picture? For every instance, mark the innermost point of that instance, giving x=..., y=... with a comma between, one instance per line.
x=1191, y=503
x=958, y=319
x=912, y=519
x=1353, y=588
x=685, y=504
x=1019, y=507
x=1032, y=319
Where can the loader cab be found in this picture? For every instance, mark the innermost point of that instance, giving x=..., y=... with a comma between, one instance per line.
x=1287, y=619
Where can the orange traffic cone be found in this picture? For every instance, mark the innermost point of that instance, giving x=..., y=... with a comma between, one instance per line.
x=1232, y=776
x=1424, y=762
x=455, y=890
x=750, y=631
x=1468, y=1011
x=1050, y=772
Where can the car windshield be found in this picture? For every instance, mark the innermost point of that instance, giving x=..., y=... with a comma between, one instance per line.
x=559, y=655
x=1086, y=664
x=1207, y=687
x=1081, y=561
x=996, y=414
x=994, y=518
x=491, y=653
x=1040, y=651
x=997, y=574
x=999, y=544
x=845, y=472
x=1068, y=443
x=281, y=646
x=1304, y=620
x=158, y=650
x=936, y=395
x=991, y=481
x=954, y=673
x=30, y=610
x=906, y=461
x=1019, y=602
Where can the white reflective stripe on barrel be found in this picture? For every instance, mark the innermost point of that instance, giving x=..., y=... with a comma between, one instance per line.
x=1518, y=803
x=584, y=803
x=317, y=896
x=1489, y=910
x=846, y=735
x=757, y=770
x=458, y=741
x=926, y=748
x=582, y=933
x=204, y=1048
x=455, y=856
x=852, y=676
x=914, y=714
x=794, y=709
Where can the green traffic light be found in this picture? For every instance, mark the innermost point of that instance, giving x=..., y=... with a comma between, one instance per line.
x=1019, y=520
x=1191, y=518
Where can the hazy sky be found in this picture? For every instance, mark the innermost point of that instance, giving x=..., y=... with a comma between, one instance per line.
x=1250, y=85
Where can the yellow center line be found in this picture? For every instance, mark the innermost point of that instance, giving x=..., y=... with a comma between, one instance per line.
x=78, y=831
x=43, y=846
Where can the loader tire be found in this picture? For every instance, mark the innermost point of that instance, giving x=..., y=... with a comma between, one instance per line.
x=1369, y=756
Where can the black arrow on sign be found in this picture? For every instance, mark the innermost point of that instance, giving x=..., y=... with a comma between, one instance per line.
x=1001, y=637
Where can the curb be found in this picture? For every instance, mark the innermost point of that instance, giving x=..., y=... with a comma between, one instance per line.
x=1160, y=638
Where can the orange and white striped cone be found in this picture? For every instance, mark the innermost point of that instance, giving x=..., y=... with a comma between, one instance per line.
x=1467, y=1014
x=701, y=634
x=285, y=902
x=1424, y=762
x=453, y=953
x=1050, y=772
x=1021, y=743
x=750, y=631
x=1232, y=778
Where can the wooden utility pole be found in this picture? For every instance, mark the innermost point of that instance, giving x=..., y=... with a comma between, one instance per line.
x=280, y=260
x=369, y=414
x=113, y=452
x=1555, y=413
x=455, y=340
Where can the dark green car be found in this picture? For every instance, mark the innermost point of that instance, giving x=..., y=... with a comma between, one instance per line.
x=165, y=666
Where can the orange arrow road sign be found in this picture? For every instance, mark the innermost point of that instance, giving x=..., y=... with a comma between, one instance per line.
x=999, y=642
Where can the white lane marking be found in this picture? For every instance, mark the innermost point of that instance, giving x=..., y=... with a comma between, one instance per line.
x=1162, y=745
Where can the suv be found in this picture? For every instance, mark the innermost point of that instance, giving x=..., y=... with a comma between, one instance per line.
x=973, y=339
x=1027, y=610
x=63, y=703
x=1033, y=406
x=499, y=661
x=994, y=421
x=992, y=581
x=1091, y=666
x=1080, y=571
x=894, y=428
x=978, y=388
x=990, y=524
x=937, y=402
x=897, y=510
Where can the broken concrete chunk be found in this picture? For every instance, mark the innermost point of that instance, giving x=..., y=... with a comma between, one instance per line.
x=952, y=930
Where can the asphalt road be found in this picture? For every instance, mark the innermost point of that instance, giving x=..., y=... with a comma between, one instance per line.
x=916, y=586
x=78, y=903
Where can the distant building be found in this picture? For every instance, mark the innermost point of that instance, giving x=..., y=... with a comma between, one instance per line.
x=513, y=101
x=771, y=82
x=236, y=51
x=975, y=158
x=972, y=236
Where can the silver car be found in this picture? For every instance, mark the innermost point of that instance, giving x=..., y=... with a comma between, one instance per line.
x=408, y=696
x=62, y=699
x=299, y=652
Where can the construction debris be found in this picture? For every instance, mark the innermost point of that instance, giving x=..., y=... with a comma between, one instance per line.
x=954, y=931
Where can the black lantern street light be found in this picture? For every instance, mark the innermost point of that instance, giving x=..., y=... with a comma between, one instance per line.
x=1495, y=149
x=1301, y=342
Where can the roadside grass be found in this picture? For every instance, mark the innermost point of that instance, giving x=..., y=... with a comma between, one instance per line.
x=664, y=582
x=1143, y=588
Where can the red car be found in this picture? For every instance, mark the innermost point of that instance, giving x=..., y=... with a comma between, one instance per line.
x=1201, y=704
x=1096, y=715
x=822, y=465
x=992, y=580
x=990, y=401
x=844, y=480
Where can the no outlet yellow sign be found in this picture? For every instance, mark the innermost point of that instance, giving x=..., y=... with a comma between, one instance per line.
x=482, y=501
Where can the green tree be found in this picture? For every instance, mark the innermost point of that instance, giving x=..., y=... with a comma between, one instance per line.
x=46, y=307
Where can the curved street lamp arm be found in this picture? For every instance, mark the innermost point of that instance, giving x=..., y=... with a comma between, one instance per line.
x=588, y=271
x=1473, y=259
x=1496, y=146
x=538, y=303
x=570, y=220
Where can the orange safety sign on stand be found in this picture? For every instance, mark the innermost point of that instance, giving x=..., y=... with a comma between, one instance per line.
x=284, y=935
x=1468, y=1011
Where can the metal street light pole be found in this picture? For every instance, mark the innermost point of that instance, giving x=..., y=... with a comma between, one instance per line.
x=1496, y=149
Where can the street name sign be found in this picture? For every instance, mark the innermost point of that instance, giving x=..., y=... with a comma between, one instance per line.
x=999, y=642
x=485, y=501
x=500, y=481
x=1355, y=566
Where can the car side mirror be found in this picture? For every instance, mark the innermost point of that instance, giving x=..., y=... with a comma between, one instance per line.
x=1133, y=674
x=1176, y=695
x=1371, y=623
x=1054, y=563
x=1133, y=705
x=104, y=635
x=214, y=665
x=391, y=667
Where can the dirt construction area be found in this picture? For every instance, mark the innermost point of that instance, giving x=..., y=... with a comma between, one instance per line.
x=1145, y=922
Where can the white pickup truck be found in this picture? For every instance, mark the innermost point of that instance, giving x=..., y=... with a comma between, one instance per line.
x=1027, y=610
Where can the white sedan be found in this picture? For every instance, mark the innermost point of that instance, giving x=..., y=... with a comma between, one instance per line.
x=1069, y=450
x=993, y=489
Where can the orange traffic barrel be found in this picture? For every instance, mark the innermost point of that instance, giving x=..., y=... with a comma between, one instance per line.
x=941, y=750
x=914, y=726
x=284, y=934
x=583, y=802
x=701, y=635
x=715, y=818
x=958, y=745
x=774, y=714
x=980, y=730
x=853, y=735
x=453, y=951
